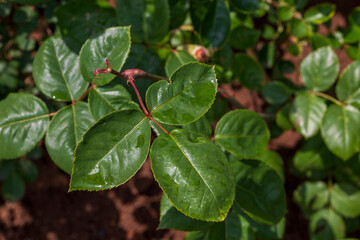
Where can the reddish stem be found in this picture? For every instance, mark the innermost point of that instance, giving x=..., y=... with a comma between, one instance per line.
x=131, y=81
x=85, y=93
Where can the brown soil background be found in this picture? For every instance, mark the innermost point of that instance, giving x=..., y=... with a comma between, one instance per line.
x=131, y=211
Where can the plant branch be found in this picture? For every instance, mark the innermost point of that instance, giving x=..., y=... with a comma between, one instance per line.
x=328, y=97
x=85, y=93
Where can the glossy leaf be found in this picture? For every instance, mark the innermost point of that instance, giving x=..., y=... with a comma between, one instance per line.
x=172, y=218
x=248, y=71
x=13, y=188
x=195, y=175
x=149, y=20
x=313, y=159
x=340, y=128
x=276, y=92
x=345, y=199
x=319, y=69
x=307, y=112
x=188, y=97
x=326, y=225
x=199, y=128
x=320, y=13
x=175, y=60
x=243, y=133
x=107, y=99
x=23, y=122
x=112, y=44
x=243, y=37
x=56, y=71
x=311, y=196
x=215, y=26
x=347, y=88
x=273, y=160
x=81, y=19
x=65, y=130
x=348, y=171
x=259, y=191
x=246, y=5
x=111, y=151
x=27, y=170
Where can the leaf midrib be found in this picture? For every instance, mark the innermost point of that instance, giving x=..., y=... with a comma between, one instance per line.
x=24, y=120
x=217, y=204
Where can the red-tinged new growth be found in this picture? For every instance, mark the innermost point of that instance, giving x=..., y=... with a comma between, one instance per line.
x=129, y=75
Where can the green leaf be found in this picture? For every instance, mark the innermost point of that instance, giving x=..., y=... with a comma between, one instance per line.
x=29, y=2
x=313, y=159
x=215, y=25
x=237, y=227
x=172, y=218
x=6, y=167
x=65, y=130
x=259, y=191
x=298, y=28
x=111, y=151
x=246, y=5
x=23, y=122
x=283, y=117
x=273, y=160
x=175, y=60
x=149, y=19
x=353, y=52
x=107, y=99
x=248, y=71
x=243, y=37
x=320, y=13
x=199, y=128
x=354, y=16
x=81, y=19
x=285, y=13
x=340, y=128
x=319, y=69
x=27, y=170
x=178, y=12
x=188, y=97
x=311, y=196
x=56, y=71
x=345, y=199
x=195, y=175
x=243, y=133
x=276, y=92
x=306, y=114
x=24, y=42
x=348, y=171
x=347, y=88
x=112, y=44
x=326, y=225
x=13, y=188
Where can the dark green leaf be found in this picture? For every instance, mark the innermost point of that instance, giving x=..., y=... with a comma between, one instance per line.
x=268, y=32
x=175, y=60
x=276, y=92
x=195, y=175
x=298, y=28
x=345, y=199
x=353, y=52
x=347, y=88
x=5, y=9
x=65, y=131
x=340, y=128
x=285, y=13
x=246, y=5
x=199, y=128
x=306, y=114
x=149, y=19
x=26, y=170
x=243, y=37
x=267, y=55
x=107, y=99
x=113, y=44
x=326, y=225
x=188, y=97
x=24, y=42
x=313, y=159
x=283, y=117
x=248, y=71
x=23, y=122
x=319, y=69
x=242, y=133
x=354, y=16
x=273, y=160
x=172, y=218
x=311, y=196
x=13, y=188
x=26, y=19
x=259, y=191
x=348, y=171
x=29, y=2
x=178, y=12
x=56, y=71
x=111, y=151
x=320, y=13
x=6, y=167
x=82, y=19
